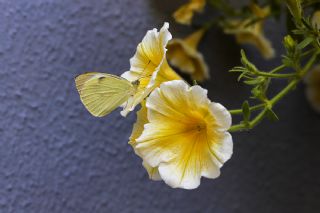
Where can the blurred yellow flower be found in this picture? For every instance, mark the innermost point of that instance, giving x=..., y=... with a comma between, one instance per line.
x=185, y=136
x=183, y=54
x=313, y=78
x=185, y=13
x=136, y=132
x=252, y=33
x=316, y=19
x=149, y=66
x=313, y=88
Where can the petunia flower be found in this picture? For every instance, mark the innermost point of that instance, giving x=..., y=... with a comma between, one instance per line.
x=136, y=132
x=149, y=66
x=316, y=19
x=186, y=135
x=252, y=33
x=183, y=54
x=313, y=88
x=185, y=13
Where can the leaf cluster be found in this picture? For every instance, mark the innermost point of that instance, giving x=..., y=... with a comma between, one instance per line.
x=251, y=76
x=260, y=81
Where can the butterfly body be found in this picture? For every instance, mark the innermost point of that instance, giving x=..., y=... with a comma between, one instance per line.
x=101, y=93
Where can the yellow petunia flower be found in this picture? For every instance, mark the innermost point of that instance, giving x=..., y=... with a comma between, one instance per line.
x=149, y=66
x=316, y=19
x=136, y=132
x=247, y=33
x=186, y=135
x=183, y=54
x=185, y=13
x=313, y=88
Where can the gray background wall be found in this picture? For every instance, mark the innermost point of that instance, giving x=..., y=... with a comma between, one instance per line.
x=56, y=158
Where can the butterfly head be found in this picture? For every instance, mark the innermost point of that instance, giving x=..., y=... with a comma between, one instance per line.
x=136, y=83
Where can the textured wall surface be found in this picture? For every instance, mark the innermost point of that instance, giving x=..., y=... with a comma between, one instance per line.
x=56, y=158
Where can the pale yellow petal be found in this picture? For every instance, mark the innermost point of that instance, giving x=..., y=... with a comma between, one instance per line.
x=194, y=38
x=183, y=54
x=252, y=34
x=313, y=88
x=149, y=66
x=316, y=19
x=260, y=12
x=160, y=143
x=139, y=125
x=258, y=40
x=162, y=106
x=137, y=130
x=191, y=163
x=153, y=172
x=185, y=13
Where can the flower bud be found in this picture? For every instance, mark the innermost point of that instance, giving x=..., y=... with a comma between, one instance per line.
x=289, y=43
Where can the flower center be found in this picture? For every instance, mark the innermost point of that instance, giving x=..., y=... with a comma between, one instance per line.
x=201, y=126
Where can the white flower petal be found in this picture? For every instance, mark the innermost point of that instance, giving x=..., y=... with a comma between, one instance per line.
x=172, y=177
x=222, y=115
x=222, y=148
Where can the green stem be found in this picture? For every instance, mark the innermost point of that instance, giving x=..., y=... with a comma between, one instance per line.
x=273, y=75
x=283, y=92
x=250, y=124
x=253, y=108
x=278, y=69
x=237, y=128
x=307, y=52
x=309, y=64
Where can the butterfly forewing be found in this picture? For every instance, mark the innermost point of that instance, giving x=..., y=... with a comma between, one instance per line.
x=101, y=93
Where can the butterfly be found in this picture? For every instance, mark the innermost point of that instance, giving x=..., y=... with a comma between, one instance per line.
x=101, y=93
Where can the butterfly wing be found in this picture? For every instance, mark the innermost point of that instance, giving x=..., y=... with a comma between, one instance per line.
x=101, y=93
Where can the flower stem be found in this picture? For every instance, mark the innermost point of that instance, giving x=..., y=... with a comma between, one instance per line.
x=273, y=75
x=283, y=92
x=249, y=125
x=278, y=69
x=253, y=108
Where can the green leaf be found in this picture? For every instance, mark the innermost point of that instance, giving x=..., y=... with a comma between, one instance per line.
x=288, y=62
x=254, y=81
x=305, y=43
x=238, y=69
x=244, y=60
x=271, y=115
x=256, y=92
x=295, y=8
x=307, y=23
x=242, y=75
x=246, y=111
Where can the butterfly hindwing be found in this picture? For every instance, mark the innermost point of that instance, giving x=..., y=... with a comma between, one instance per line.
x=101, y=93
